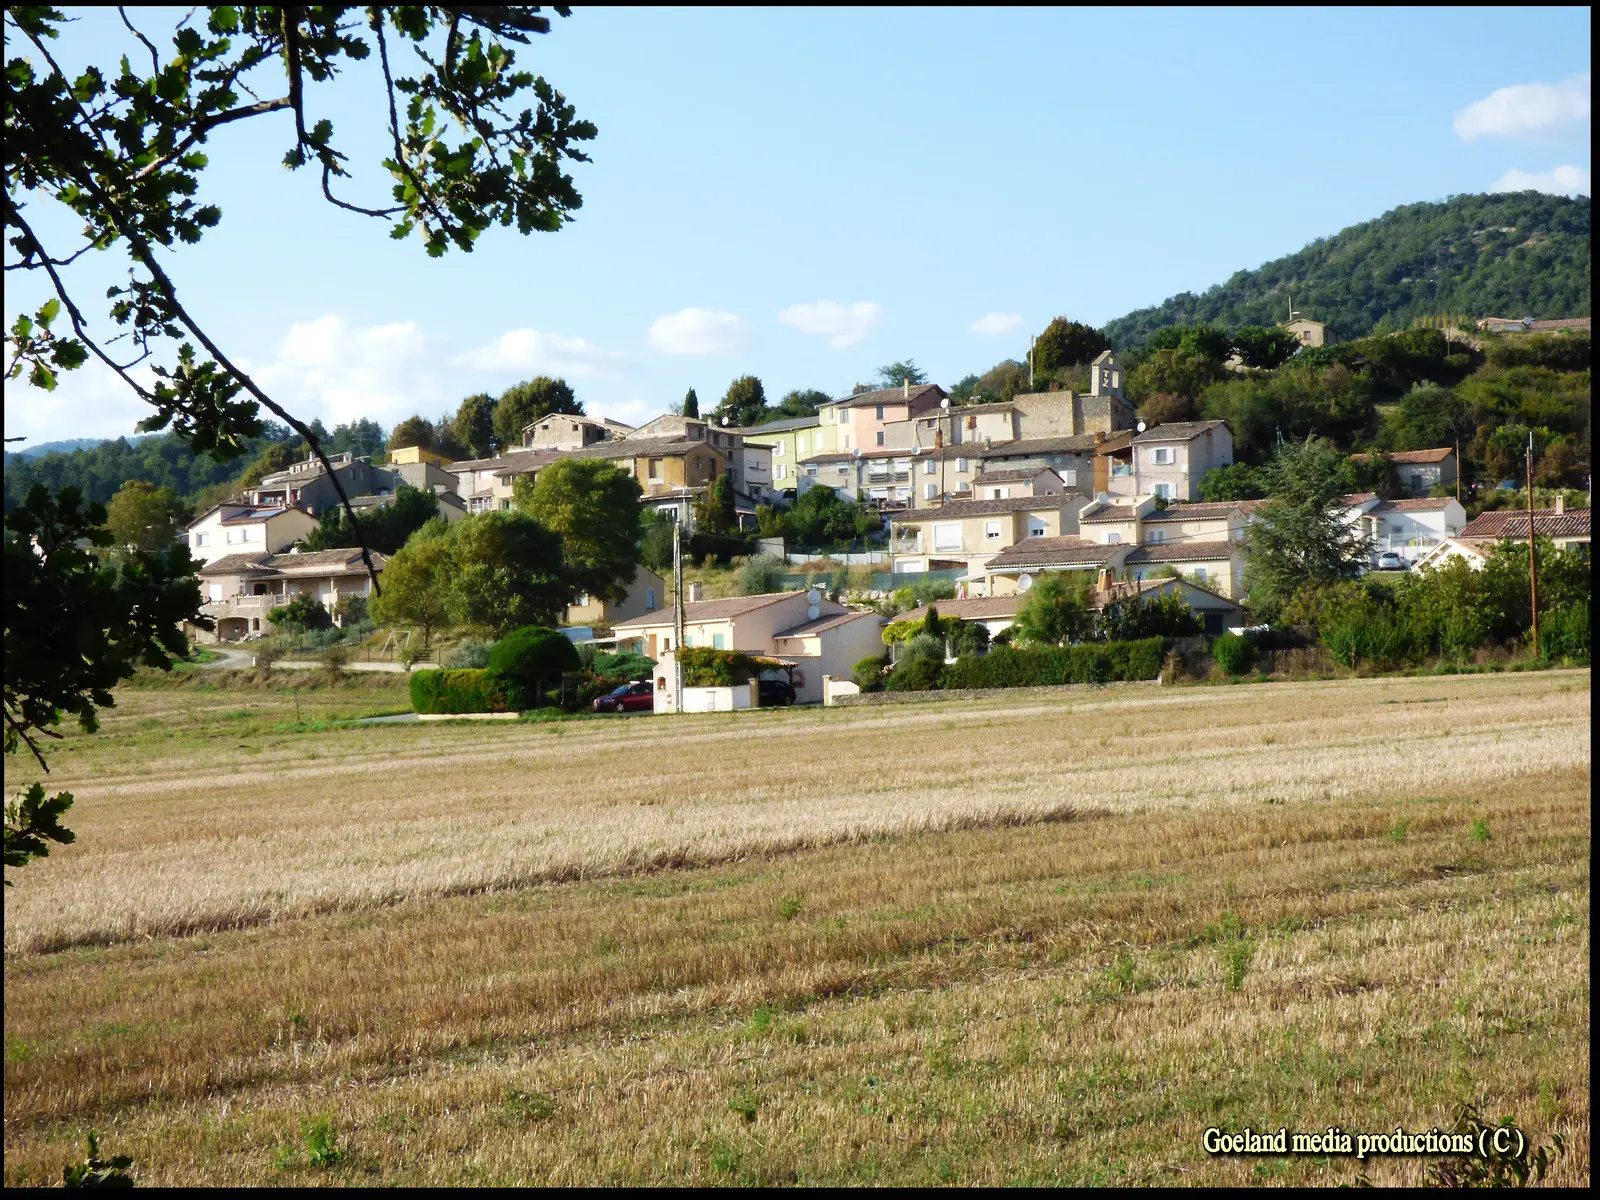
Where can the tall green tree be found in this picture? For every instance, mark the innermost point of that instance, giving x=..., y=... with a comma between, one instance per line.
x=144, y=517
x=473, y=424
x=595, y=509
x=416, y=582
x=1264, y=347
x=116, y=151
x=744, y=403
x=523, y=403
x=799, y=402
x=897, y=374
x=1300, y=534
x=505, y=571
x=384, y=528
x=363, y=438
x=691, y=404
x=1056, y=611
x=413, y=431
x=75, y=627
x=1067, y=343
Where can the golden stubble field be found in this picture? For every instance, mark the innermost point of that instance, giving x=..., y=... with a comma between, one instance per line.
x=1017, y=941
x=243, y=830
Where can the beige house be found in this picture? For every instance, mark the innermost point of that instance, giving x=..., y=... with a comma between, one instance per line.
x=239, y=590
x=804, y=630
x=892, y=477
x=1420, y=471
x=408, y=456
x=861, y=422
x=1014, y=569
x=1567, y=528
x=569, y=431
x=969, y=532
x=1004, y=483
x=1216, y=612
x=485, y=484
x=246, y=528
x=1204, y=541
x=646, y=594
x=307, y=484
x=1309, y=332
x=1170, y=460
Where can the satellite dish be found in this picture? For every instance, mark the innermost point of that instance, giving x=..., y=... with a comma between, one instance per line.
x=916, y=450
x=945, y=403
x=1527, y=322
x=1024, y=582
x=856, y=452
x=813, y=598
x=1141, y=426
x=813, y=611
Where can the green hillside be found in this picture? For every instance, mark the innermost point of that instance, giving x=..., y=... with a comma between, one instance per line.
x=1502, y=255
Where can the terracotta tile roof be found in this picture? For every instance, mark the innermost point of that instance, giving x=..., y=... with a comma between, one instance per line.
x=890, y=396
x=822, y=623
x=1055, y=552
x=325, y=560
x=1022, y=447
x=1513, y=523
x=1412, y=457
x=696, y=611
x=1156, y=552
x=644, y=447
x=958, y=510
x=979, y=608
x=1426, y=504
x=778, y=426
x=483, y=464
x=1014, y=475
x=255, y=515
x=1214, y=510
x=1352, y=499
x=238, y=564
x=1179, y=431
x=927, y=452
x=1104, y=511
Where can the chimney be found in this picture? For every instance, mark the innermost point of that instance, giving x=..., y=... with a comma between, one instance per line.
x=696, y=592
x=1103, y=580
x=905, y=385
x=1098, y=437
x=1561, y=504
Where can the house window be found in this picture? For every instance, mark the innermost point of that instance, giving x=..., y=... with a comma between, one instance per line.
x=1158, y=535
x=879, y=412
x=880, y=437
x=777, y=450
x=929, y=490
x=929, y=467
x=999, y=493
x=202, y=539
x=235, y=536
x=1112, y=537
x=215, y=590
x=1161, y=456
x=1164, y=490
x=718, y=642
x=947, y=537
x=649, y=599
x=811, y=472
x=844, y=468
x=991, y=531
x=1200, y=573
x=1035, y=527
x=961, y=465
x=583, y=600
x=1071, y=478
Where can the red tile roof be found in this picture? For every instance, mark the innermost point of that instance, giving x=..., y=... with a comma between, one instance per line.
x=1412, y=457
x=1513, y=523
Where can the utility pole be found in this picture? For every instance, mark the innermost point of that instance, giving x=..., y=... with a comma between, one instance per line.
x=1533, y=557
x=677, y=609
x=1458, y=470
x=1033, y=344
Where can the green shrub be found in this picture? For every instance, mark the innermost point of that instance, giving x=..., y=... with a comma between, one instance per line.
x=532, y=660
x=625, y=666
x=1564, y=633
x=762, y=574
x=868, y=673
x=915, y=674
x=704, y=666
x=1042, y=666
x=1234, y=653
x=967, y=637
x=302, y=614
x=469, y=655
x=467, y=691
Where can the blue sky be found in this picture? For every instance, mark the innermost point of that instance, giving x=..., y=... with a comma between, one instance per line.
x=805, y=195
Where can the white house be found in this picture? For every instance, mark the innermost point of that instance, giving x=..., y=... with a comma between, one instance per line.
x=1409, y=528
x=246, y=529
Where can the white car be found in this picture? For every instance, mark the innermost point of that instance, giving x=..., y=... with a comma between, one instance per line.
x=1390, y=561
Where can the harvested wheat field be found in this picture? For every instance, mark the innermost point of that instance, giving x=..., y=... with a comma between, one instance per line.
x=1020, y=940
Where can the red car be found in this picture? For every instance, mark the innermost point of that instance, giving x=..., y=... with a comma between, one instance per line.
x=630, y=697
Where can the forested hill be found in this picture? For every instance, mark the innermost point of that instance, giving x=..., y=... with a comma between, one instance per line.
x=1505, y=255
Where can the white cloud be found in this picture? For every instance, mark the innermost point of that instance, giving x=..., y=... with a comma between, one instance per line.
x=1564, y=180
x=90, y=402
x=1527, y=108
x=699, y=331
x=326, y=369
x=530, y=350
x=842, y=326
x=996, y=323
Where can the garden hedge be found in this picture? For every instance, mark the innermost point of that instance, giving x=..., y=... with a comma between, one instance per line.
x=463, y=691
x=1042, y=666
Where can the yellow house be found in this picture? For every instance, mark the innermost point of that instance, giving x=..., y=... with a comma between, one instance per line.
x=416, y=454
x=972, y=531
x=646, y=594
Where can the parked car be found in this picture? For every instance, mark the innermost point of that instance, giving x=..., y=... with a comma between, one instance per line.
x=773, y=693
x=1390, y=561
x=629, y=697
